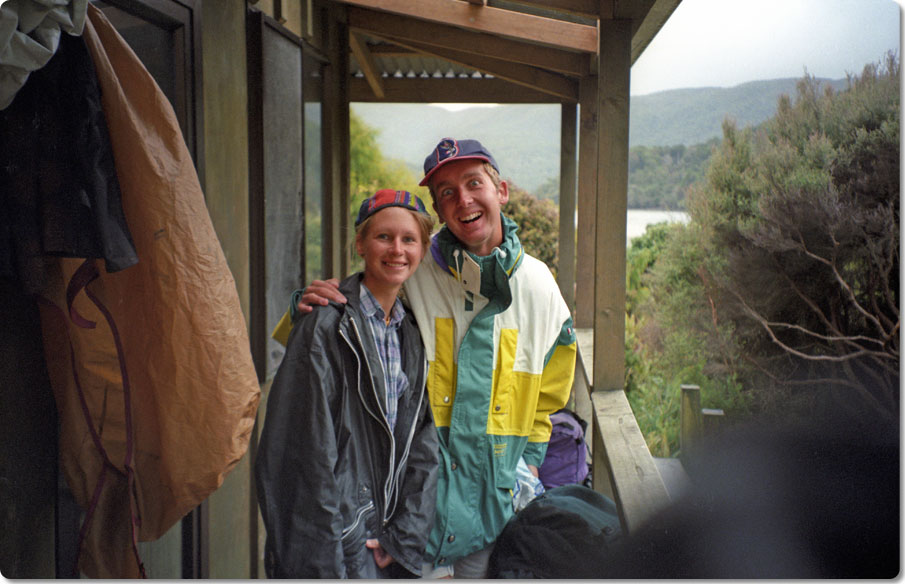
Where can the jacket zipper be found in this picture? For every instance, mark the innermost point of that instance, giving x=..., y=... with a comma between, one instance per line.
x=408, y=442
x=387, y=487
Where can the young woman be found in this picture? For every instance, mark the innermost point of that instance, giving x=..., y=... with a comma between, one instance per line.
x=346, y=469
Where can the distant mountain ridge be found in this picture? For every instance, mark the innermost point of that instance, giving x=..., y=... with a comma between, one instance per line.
x=524, y=138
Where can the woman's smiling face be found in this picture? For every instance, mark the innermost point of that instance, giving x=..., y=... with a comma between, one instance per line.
x=392, y=248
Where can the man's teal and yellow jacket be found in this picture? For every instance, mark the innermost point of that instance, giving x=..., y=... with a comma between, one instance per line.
x=501, y=348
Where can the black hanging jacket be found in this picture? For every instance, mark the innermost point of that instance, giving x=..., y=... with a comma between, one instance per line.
x=330, y=472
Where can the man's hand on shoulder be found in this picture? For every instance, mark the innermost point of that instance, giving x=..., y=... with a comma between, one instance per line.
x=320, y=293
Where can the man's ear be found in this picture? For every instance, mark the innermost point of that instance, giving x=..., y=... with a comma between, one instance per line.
x=503, y=189
x=437, y=211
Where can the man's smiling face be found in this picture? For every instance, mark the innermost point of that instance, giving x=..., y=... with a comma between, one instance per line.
x=466, y=199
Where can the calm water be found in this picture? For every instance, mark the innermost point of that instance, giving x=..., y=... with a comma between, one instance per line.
x=637, y=220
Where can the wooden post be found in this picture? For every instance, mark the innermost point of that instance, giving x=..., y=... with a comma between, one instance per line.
x=567, y=194
x=587, y=203
x=335, y=220
x=691, y=418
x=612, y=194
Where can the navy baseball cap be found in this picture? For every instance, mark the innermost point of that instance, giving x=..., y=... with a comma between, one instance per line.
x=450, y=150
x=389, y=198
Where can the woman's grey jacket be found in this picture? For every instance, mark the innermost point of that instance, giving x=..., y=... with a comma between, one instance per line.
x=330, y=473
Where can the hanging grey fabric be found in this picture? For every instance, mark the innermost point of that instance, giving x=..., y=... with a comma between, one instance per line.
x=29, y=36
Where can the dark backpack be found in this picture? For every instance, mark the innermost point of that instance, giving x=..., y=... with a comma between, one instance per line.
x=566, y=461
x=565, y=533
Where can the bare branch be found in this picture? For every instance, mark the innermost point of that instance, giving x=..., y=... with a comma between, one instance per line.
x=832, y=358
x=842, y=282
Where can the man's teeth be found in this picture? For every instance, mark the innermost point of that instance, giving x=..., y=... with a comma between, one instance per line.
x=470, y=218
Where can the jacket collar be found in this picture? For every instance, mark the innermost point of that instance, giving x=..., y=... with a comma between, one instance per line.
x=496, y=268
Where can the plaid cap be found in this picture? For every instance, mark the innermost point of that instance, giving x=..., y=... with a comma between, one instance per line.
x=389, y=198
x=449, y=150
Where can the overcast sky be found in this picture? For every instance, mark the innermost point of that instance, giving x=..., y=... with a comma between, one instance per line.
x=722, y=43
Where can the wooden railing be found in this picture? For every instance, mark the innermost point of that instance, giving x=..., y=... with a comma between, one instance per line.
x=695, y=420
x=622, y=463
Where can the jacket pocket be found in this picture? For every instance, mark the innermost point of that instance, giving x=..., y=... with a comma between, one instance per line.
x=358, y=559
x=357, y=527
x=503, y=463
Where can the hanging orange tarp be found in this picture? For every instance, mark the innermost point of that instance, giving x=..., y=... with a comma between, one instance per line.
x=185, y=350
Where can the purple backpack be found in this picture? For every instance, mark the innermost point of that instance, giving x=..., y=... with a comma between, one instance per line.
x=566, y=459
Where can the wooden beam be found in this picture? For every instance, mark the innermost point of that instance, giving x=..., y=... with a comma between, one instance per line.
x=587, y=203
x=452, y=38
x=367, y=63
x=525, y=75
x=593, y=8
x=495, y=21
x=612, y=192
x=446, y=90
x=638, y=488
x=691, y=420
x=394, y=50
x=335, y=205
x=567, y=194
x=618, y=447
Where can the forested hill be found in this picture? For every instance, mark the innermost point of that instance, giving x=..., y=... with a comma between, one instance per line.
x=695, y=115
x=525, y=138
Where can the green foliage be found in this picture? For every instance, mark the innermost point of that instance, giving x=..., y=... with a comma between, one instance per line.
x=659, y=176
x=669, y=338
x=538, y=221
x=549, y=189
x=781, y=294
x=370, y=171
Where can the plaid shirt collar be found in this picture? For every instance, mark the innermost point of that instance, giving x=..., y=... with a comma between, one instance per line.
x=372, y=308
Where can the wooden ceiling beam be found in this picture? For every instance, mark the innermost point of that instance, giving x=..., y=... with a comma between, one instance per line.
x=452, y=38
x=419, y=90
x=393, y=50
x=495, y=21
x=366, y=63
x=524, y=75
x=592, y=8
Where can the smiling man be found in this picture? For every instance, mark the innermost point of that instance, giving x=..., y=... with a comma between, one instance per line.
x=498, y=336
x=501, y=348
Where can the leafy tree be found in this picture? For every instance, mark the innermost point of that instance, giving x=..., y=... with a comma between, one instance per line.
x=788, y=273
x=549, y=189
x=371, y=171
x=538, y=221
x=669, y=339
x=659, y=176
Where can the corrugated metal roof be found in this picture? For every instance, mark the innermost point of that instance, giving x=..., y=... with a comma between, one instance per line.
x=395, y=61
